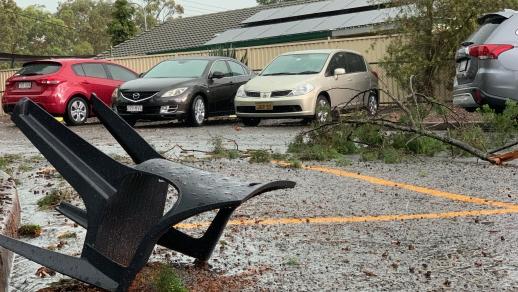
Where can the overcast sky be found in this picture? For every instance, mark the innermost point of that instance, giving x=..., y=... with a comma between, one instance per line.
x=192, y=7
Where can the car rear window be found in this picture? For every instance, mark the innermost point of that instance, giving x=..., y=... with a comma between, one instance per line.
x=485, y=31
x=39, y=68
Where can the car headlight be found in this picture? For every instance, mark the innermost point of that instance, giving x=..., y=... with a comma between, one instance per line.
x=175, y=92
x=241, y=91
x=302, y=89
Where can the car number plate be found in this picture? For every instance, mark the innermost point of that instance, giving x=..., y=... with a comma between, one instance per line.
x=134, y=108
x=25, y=85
x=263, y=106
x=463, y=66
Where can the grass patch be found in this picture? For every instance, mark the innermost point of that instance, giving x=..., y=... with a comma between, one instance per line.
x=29, y=230
x=25, y=167
x=293, y=262
x=67, y=235
x=219, y=151
x=53, y=198
x=6, y=161
x=260, y=156
x=168, y=281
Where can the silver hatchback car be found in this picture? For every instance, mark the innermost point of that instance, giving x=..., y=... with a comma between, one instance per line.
x=487, y=63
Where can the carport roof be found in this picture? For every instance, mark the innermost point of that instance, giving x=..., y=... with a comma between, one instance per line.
x=189, y=32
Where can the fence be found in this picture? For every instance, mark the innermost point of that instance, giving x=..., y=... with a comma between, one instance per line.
x=372, y=47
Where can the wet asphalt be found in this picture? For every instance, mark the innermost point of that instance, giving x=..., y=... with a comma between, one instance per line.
x=326, y=234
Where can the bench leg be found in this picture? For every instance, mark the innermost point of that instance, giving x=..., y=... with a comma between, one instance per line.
x=199, y=248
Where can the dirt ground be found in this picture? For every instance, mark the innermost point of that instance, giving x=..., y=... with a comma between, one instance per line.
x=429, y=224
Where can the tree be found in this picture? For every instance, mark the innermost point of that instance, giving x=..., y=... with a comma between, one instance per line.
x=268, y=2
x=122, y=26
x=89, y=21
x=156, y=12
x=430, y=32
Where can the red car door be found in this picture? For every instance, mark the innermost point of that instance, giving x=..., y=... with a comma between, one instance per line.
x=97, y=81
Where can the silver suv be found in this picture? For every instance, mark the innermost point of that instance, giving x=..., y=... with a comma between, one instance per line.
x=487, y=63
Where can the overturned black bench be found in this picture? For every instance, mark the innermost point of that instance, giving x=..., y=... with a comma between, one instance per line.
x=125, y=216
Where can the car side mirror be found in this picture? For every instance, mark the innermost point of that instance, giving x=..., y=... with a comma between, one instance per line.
x=217, y=75
x=141, y=74
x=339, y=71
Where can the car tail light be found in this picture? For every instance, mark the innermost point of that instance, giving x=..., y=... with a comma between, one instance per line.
x=50, y=81
x=7, y=83
x=375, y=74
x=488, y=51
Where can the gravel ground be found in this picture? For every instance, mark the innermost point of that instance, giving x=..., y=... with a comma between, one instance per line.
x=465, y=253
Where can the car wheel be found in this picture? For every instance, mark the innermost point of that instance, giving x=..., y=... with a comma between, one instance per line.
x=322, y=110
x=130, y=120
x=251, y=122
x=372, y=104
x=77, y=111
x=197, y=113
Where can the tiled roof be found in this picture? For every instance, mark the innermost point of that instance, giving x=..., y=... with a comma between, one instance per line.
x=189, y=32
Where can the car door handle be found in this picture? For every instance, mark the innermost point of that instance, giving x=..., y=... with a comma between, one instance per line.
x=85, y=82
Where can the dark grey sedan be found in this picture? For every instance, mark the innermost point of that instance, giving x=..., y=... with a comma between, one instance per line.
x=189, y=89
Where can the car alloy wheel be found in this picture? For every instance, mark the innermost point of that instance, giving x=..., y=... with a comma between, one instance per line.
x=372, y=104
x=77, y=112
x=323, y=110
x=198, y=111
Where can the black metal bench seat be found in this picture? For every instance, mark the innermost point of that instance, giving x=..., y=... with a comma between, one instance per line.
x=125, y=216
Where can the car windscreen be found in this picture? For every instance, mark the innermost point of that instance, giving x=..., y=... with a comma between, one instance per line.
x=39, y=68
x=178, y=69
x=484, y=31
x=296, y=64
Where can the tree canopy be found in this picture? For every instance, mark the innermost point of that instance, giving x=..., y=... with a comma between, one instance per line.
x=78, y=27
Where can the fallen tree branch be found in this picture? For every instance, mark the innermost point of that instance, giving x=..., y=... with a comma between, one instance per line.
x=445, y=139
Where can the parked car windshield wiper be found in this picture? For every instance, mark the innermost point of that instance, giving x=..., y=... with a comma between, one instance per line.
x=280, y=73
x=308, y=72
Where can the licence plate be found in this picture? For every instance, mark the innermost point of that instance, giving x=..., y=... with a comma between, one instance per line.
x=134, y=108
x=463, y=66
x=25, y=85
x=263, y=106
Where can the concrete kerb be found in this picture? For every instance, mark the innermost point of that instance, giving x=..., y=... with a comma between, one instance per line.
x=9, y=224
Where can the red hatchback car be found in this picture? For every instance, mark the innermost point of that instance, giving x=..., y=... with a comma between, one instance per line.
x=63, y=86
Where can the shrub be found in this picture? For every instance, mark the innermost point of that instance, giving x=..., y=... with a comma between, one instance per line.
x=168, y=281
x=29, y=230
x=260, y=156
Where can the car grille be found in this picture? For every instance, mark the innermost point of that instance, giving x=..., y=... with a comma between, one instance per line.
x=253, y=94
x=137, y=96
x=274, y=93
x=276, y=109
x=281, y=93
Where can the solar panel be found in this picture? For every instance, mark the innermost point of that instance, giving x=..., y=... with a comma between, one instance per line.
x=313, y=7
x=225, y=37
x=305, y=26
x=287, y=12
x=306, y=9
x=261, y=15
x=279, y=29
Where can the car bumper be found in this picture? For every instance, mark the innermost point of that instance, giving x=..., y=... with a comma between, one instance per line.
x=49, y=103
x=154, y=112
x=283, y=107
x=473, y=97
